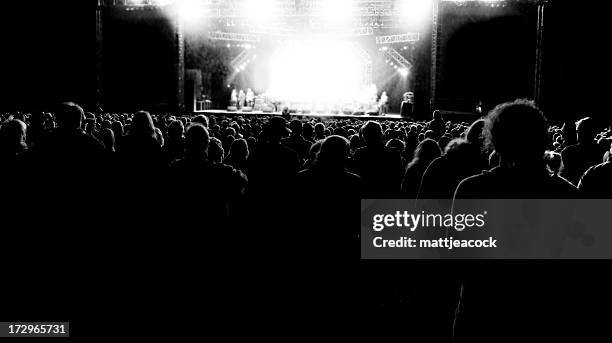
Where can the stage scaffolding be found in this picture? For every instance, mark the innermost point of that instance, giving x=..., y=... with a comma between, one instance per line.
x=371, y=16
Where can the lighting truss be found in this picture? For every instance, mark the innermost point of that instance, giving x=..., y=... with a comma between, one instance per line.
x=238, y=60
x=242, y=59
x=410, y=37
x=367, y=63
x=398, y=58
x=234, y=37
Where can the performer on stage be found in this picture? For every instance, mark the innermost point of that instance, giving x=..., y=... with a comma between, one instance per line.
x=250, y=98
x=383, y=104
x=407, y=108
x=234, y=98
x=241, y=99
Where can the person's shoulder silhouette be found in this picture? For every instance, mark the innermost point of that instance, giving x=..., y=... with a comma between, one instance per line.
x=518, y=131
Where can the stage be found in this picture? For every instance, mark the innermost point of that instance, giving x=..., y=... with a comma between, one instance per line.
x=300, y=115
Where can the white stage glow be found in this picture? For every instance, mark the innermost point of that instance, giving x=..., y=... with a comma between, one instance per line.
x=338, y=12
x=260, y=11
x=317, y=72
x=415, y=11
x=192, y=14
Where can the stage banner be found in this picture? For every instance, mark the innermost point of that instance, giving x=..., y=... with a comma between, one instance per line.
x=486, y=229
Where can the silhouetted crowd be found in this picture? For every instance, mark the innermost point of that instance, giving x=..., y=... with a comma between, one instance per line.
x=521, y=154
x=153, y=196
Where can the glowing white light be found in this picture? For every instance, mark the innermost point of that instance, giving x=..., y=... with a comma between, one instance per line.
x=415, y=11
x=191, y=12
x=316, y=71
x=403, y=71
x=259, y=11
x=337, y=11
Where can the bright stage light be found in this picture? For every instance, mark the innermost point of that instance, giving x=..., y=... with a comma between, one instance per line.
x=316, y=72
x=415, y=12
x=403, y=71
x=259, y=11
x=192, y=12
x=338, y=11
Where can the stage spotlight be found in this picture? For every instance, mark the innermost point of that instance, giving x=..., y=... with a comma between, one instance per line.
x=415, y=12
x=191, y=12
x=403, y=71
x=260, y=11
x=337, y=11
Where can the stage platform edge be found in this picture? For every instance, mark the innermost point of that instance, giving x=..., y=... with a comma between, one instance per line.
x=300, y=115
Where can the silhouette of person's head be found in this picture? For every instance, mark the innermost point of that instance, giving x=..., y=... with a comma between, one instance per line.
x=307, y=131
x=372, y=133
x=474, y=133
x=586, y=130
x=396, y=144
x=427, y=151
x=108, y=139
x=277, y=129
x=314, y=149
x=201, y=119
x=437, y=115
x=518, y=131
x=196, y=140
x=176, y=130
x=70, y=116
x=159, y=136
x=216, y=153
x=239, y=149
x=142, y=125
x=333, y=153
x=13, y=136
x=355, y=142
x=319, y=130
x=117, y=128
x=296, y=127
